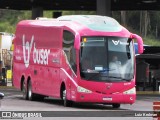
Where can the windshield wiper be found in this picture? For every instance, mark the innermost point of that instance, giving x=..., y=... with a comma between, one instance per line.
x=114, y=77
x=119, y=78
x=98, y=72
x=105, y=70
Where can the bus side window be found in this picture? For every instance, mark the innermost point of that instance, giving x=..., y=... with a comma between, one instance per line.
x=68, y=47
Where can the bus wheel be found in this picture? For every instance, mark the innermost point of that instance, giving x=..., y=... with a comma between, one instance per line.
x=116, y=105
x=30, y=93
x=67, y=103
x=24, y=91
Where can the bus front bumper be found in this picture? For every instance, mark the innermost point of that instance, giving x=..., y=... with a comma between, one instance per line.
x=94, y=97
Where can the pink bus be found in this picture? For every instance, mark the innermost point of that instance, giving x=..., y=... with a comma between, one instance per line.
x=78, y=58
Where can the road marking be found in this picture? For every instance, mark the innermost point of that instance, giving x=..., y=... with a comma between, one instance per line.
x=11, y=96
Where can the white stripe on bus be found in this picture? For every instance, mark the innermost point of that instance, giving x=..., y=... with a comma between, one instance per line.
x=69, y=77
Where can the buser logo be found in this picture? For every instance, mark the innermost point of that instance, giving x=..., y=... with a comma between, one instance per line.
x=115, y=42
x=40, y=56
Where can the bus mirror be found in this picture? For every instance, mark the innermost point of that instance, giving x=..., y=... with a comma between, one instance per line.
x=139, y=41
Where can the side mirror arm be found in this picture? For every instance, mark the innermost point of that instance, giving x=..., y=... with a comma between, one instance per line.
x=139, y=41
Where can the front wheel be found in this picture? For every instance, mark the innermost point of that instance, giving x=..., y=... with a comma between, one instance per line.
x=67, y=103
x=116, y=105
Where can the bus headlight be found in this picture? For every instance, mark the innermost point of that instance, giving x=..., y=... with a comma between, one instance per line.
x=130, y=91
x=84, y=90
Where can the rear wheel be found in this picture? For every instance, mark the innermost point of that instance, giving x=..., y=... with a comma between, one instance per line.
x=116, y=105
x=67, y=103
x=31, y=95
x=24, y=90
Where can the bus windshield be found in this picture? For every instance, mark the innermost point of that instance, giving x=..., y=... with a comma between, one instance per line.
x=106, y=59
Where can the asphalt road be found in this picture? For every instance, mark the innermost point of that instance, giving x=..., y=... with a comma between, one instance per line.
x=53, y=109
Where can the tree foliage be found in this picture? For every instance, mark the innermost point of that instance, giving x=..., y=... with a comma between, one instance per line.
x=144, y=23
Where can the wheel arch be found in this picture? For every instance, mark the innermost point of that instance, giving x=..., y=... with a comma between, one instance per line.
x=22, y=80
x=61, y=90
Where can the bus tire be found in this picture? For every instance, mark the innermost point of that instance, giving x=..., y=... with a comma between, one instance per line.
x=116, y=105
x=67, y=103
x=31, y=95
x=24, y=91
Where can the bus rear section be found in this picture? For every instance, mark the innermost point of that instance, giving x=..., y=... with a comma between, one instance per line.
x=80, y=58
x=37, y=59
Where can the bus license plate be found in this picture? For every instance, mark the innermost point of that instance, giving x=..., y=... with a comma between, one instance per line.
x=107, y=99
